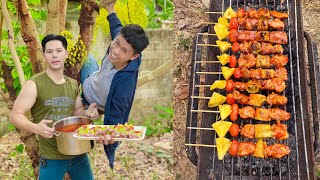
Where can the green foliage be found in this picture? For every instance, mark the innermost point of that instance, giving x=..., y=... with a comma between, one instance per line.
x=39, y=14
x=129, y=12
x=185, y=42
x=11, y=7
x=160, y=123
x=76, y=48
x=34, y=2
x=318, y=173
x=158, y=11
x=21, y=50
x=11, y=127
x=151, y=151
x=26, y=65
x=25, y=168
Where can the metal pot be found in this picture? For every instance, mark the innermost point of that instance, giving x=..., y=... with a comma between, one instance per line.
x=67, y=144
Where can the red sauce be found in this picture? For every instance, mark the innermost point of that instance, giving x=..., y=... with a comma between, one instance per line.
x=69, y=128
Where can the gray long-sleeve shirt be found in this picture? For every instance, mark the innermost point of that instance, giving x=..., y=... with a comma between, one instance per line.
x=97, y=86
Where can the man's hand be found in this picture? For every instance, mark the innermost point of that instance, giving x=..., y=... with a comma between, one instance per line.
x=107, y=139
x=92, y=111
x=108, y=5
x=43, y=129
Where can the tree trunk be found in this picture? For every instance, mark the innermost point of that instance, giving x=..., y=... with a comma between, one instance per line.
x=163, y=69
x=8, y=79
x=62, y=15
x=89, y=9
x=52, y=25
x=1, y=24
x=86, y=22
x=13, y=51
x=30, y=36
x=56, y=18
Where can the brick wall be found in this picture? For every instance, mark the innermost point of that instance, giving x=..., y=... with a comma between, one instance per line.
x=158, y=91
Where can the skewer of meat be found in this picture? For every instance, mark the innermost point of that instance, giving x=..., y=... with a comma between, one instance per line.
x=255, y=47
x=260, y=149
x=259, y=73
x=275, y=37
x=261, y=114
x=254, y=86
x=277, y=131
x=256, y=24
x=261, y=14
x=262, y=61
x=257, y=99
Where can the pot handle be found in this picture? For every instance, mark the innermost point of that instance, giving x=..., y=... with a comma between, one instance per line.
x=315, y=89
x=56, y=133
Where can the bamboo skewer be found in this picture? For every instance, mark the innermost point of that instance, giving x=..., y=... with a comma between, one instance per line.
x=210, y=23
x=207, y=61
x=200, y=110
x=207, y=34
x=203, y=145
x=200, y=97
x=202, y=85
x=211, y=45
x=197, y=128
x=209, y=72
x=209, y=12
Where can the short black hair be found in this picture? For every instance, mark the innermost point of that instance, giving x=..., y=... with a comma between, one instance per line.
x=136, y=36
x=51, y=37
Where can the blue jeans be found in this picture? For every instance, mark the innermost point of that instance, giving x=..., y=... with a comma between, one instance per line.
x=77, y=168
x=89, y=66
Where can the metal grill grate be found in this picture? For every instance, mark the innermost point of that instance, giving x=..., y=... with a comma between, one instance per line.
x=299, y=164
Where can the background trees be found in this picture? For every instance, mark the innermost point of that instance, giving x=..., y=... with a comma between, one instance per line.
x=18, y=20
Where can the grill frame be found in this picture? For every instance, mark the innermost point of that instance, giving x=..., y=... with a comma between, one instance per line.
x=206, y=160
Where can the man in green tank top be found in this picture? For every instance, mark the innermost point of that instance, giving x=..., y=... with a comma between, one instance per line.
x=51, y=96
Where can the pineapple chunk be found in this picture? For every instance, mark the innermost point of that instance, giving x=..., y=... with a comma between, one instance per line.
x=223, y=145
x=218, y=84
x=227, y=72
x=216, y=99
x=221, y=127
x=225, y=111
x=229, y=13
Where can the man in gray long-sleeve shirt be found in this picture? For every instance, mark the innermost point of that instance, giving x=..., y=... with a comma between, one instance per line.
x=113, y=86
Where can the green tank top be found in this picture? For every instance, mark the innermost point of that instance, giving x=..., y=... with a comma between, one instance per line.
x=54, y=102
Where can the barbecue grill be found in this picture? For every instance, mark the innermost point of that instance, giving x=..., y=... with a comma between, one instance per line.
x=303, y=126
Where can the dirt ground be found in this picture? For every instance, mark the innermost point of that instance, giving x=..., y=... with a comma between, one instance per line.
x=189, y=18
x=149, y=159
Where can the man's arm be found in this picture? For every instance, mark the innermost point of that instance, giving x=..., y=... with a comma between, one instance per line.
x=114, y=22
x=79, y=110
x=23, y=104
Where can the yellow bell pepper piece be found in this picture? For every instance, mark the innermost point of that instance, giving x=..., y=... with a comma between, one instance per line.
x=229, y=13
x=216, y=99
x=223, y=45
x=221, y=31
x=223, y=145
x=225, y=111
x=227, y=72
x=218, y=84
x=223, y=21
x=224, y=59
x=221, y=127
